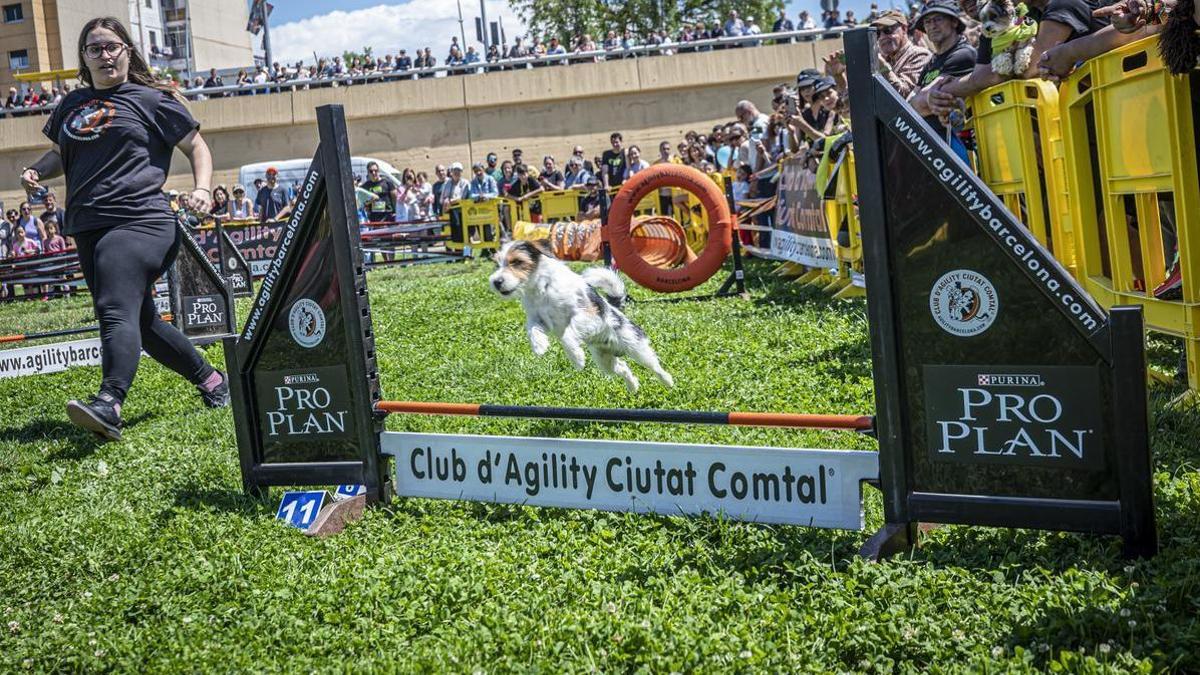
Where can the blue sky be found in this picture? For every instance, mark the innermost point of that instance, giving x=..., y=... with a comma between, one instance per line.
x=301, y=27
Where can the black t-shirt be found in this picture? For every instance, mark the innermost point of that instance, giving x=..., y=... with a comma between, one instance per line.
x=817, y=119
x=116, y=151
x=614, y=166
x=522, y=187
x=270, y=201
x=957, y=61
x=555, y=178
x=382, y=189
x=403, y=63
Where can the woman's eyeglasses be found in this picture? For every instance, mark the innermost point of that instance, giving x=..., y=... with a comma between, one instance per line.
x=113, y=49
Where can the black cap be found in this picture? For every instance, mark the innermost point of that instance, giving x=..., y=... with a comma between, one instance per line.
x=823, y=84
x=947, y=7
x=808, y=77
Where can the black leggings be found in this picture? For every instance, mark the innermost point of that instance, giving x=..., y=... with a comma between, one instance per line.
x=121, y=265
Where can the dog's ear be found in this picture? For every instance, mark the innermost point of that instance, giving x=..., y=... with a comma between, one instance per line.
x=542, y=246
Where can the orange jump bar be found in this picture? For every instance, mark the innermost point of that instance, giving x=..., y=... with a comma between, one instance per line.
x=860, y=423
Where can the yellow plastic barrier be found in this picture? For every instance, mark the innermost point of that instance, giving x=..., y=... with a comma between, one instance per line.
x=556, y=205
x=1134, y=187
x=846, y=233
x=477, y=225
x=1021, y=159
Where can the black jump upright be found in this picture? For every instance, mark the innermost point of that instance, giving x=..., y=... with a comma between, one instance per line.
x=201, y=299
x=303, y=373
x=1004, y=395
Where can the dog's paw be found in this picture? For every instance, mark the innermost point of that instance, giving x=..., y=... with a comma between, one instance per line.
x=1022, y=59
x=666, y=378
x=539, y=342
x=631, y=383
x=1002, y=64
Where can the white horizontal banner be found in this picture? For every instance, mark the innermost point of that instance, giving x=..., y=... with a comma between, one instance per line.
x=50, y=358
x=810, y=251
x=818, y=488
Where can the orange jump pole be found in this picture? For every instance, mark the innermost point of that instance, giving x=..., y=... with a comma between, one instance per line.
x=859, y=423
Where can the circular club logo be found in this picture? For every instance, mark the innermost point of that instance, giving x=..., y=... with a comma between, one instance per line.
x=306, y=322
x=963, y=303
x=88, y=121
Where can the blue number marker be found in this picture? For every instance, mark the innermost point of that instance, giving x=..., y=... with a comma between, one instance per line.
x=349, y=491
x=299, y=509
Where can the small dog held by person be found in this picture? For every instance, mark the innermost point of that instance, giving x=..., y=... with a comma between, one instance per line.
x=580, y=310
x=1012, y=34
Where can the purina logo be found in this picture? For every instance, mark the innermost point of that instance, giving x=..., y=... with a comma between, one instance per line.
x=1048, y=416
x=1011, y=381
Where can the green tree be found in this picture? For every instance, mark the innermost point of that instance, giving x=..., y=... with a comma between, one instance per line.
x=361, y=56
x=566, y=19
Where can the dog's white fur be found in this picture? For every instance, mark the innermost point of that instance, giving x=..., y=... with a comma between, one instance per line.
x=579, y=310
x=996, y=17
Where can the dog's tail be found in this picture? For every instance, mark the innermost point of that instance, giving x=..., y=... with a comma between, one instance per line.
x=607, y=282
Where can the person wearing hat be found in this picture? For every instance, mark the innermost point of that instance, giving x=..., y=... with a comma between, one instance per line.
x=900, y=61
x=952, y=57
x=240, y=206
x=805, y=81
x=456, y=186
x=271, y=203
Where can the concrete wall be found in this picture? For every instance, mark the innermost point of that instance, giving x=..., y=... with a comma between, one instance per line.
x=219, y=34
x=439, y=120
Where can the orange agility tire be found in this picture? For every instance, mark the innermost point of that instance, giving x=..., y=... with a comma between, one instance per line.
x=620, y=217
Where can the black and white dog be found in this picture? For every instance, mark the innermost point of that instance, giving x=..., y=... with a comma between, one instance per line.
x=579, y=310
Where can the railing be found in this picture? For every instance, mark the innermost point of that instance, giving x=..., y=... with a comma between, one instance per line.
x=480, y=67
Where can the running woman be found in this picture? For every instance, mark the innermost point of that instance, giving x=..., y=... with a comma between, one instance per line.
x=113, y=138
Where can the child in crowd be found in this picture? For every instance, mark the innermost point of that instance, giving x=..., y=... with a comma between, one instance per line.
x=22, y=245
x=54, y=241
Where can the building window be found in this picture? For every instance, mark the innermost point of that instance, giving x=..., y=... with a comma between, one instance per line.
x=13, y=14
x=149, y=4
x=153, y=40
x=176, y=40
x=18, y=60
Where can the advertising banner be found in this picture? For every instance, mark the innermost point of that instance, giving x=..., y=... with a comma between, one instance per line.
x=800, y=233
x=816, y=488
x=256, y=243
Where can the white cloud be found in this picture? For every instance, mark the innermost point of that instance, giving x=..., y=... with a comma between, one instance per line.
x=386, y=29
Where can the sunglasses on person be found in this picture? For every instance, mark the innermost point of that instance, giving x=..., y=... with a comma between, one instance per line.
x=112, y=49
x=25, y=209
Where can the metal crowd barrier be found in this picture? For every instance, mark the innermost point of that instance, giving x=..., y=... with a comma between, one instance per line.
x=639, y=51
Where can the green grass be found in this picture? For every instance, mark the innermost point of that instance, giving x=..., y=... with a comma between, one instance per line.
x=145, y=556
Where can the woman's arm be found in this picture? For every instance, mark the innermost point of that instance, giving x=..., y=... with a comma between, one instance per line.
x=49, y=166
x=198, y=154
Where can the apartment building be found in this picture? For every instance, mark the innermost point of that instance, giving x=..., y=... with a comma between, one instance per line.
x=188, y=36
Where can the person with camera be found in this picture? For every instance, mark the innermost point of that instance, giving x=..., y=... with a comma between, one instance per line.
x=113, y=139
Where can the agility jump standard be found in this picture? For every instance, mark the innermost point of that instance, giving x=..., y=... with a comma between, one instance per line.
x=1005, y=396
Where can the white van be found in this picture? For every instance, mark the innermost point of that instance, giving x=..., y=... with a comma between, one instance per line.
x=291, y=171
